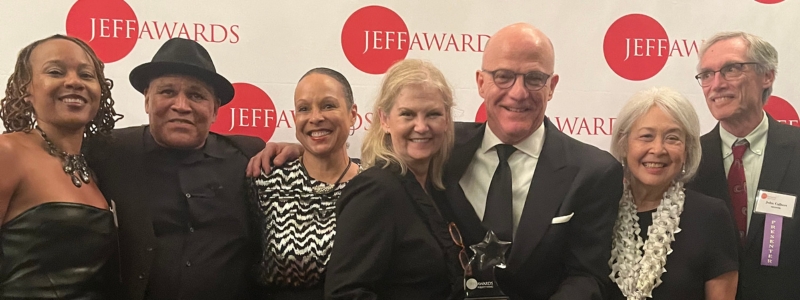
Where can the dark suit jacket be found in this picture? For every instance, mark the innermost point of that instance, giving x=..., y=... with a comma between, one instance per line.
x=383, y=247
x=780, y=172
x=549, y=261
x=121, y=170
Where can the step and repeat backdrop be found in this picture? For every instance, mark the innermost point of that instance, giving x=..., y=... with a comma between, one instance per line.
x=605, y=50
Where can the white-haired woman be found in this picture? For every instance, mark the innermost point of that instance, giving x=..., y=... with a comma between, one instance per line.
x=669, y=243
x=391, y=242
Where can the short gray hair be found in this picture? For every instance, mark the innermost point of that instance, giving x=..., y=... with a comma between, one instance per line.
x=758, y=50
x=672, y=103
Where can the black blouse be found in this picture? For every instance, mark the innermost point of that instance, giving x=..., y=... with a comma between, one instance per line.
x=704, y=249
x=384, y=248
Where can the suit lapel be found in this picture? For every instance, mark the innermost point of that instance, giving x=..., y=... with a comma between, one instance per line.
x=777, y=156
x=713, y=175
x=468, y=140
x=551, y=182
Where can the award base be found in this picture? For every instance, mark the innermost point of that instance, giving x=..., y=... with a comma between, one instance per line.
x=483, y=290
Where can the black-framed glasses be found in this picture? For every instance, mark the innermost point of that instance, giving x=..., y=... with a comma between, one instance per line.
x=534, y=80
x=455, y=235
x=728, y=72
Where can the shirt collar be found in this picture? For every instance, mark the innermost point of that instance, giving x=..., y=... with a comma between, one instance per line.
x=211, y=148
x=531, y=145
x=757, y=138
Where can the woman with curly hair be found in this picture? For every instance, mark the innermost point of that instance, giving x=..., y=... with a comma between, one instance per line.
x=58, y=230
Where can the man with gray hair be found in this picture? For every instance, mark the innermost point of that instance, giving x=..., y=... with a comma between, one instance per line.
x=750, y=159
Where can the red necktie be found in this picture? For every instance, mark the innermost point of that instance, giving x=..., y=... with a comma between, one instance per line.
x=737, y=188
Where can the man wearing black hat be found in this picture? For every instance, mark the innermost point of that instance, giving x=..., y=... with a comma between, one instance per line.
x=180, y=191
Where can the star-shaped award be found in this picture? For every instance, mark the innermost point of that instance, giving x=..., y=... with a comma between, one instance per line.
x=490, y=252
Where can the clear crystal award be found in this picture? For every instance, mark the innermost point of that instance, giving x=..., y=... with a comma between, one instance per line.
x=479, y=280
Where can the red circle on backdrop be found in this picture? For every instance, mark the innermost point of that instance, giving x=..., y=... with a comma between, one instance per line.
x=110, y=27
x=636, y=47
x=372, y=39
x=251, y=112
x=769, y=1
x=480, y=116
x=782, y=111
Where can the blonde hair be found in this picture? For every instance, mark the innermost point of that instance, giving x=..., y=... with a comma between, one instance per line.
x=377, y=146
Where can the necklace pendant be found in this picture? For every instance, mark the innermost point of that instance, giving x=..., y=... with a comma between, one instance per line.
x=76, y=181
x=322, y=189
x=69, y=163
x=85, y=176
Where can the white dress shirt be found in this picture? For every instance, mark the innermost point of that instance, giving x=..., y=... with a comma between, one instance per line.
x=752, y=160
x=478, y=176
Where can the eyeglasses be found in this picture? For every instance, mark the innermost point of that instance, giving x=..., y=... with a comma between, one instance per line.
x=504, y=79
x=728, y=72
x=455, y=235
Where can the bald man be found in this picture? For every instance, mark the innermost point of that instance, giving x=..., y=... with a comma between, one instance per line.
x=559, y=206
x=553, y=197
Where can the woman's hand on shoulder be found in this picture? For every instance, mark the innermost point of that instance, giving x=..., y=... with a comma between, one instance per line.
x=274, y=154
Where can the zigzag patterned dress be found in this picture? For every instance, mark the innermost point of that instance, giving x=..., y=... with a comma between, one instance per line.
x=298, y=227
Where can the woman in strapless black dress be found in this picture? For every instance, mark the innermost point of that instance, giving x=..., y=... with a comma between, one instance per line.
x=58, y=231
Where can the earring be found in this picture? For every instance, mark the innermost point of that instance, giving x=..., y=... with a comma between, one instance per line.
x=683, y=170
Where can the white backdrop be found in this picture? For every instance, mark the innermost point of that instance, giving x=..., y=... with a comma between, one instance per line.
x=267, y=46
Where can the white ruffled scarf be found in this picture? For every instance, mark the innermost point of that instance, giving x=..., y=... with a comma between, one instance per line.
x=635, y=273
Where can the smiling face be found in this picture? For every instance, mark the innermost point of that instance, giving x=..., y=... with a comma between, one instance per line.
x=322, y=116
x=656, y=150
x=514, y=113
x=65, y=88
x=181, y=110
x=416, y=124
x=734, y=100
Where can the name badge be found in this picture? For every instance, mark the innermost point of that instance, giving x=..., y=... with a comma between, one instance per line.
x=775, y=203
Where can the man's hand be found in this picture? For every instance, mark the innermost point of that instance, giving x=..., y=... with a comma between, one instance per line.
x=274, y=154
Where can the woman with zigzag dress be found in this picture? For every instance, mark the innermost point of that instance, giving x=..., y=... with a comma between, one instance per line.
x=296, y=201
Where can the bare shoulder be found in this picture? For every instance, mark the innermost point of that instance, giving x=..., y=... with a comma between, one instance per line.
x=12, y=148
x=11, y=145
x=15, y=147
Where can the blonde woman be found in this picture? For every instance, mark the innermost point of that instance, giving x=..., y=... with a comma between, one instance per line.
x=391, y=242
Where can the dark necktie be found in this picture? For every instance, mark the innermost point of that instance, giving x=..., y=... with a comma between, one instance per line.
x=737, y=188
x=498, y=215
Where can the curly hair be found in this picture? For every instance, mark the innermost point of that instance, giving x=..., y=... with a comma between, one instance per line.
x=18, y=114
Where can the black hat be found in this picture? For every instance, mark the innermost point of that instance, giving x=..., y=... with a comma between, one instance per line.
x=182, y=56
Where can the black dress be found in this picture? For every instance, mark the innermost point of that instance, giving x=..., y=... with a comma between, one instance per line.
x=56, y=250
x=704, y=249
